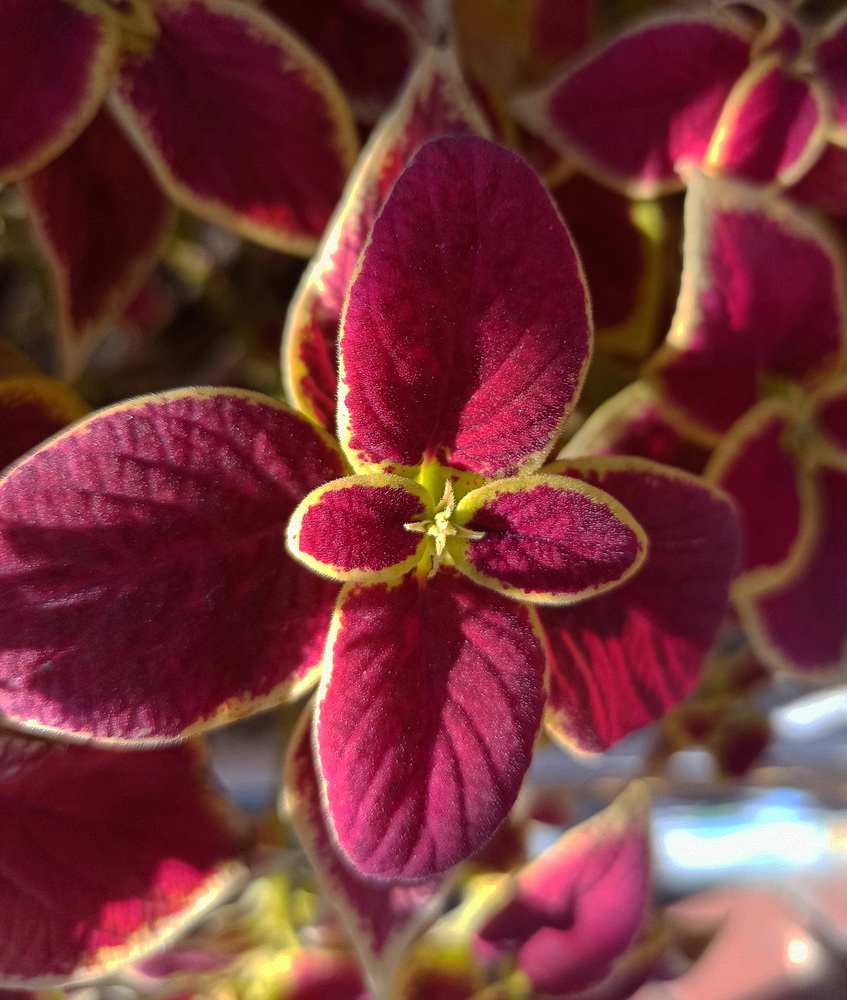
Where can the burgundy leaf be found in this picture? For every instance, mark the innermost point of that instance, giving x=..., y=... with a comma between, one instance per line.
x=758, y=466
x=646, y=104
x=32, y=408
x=622, y=659
x=56, y=61
x=145, y=588
x=761, y=298
x=831, y=414
x=772, y=127
x=633, y=422
x=240, y=121
x=382, y=918
x=547, y=539
x=354, y=528
x=369, y=52
x=575, y=910
x=426, y=720
x=434, y=102
x=104, y=856
x=102, y=220
x=466, y=335
x=800, y=623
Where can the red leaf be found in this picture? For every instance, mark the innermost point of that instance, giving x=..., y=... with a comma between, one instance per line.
x=801, y=623
x=761, y=298
x=435, y=102
x=466, y=335
x=772, y=127
x=32, y=407
x=104, y=857
x=577, y=908
x=831, y=414
x=825, y=183
x=646, y=104
x=369, y=52
x=622, y=659
x=382, y=918
x=103, y=221
x=145, y=587
x=240, y=121
x=547, y=539
x=426, y=720
x=353, y=528
x=774, y=496
x=56, y=61
x=633, y=422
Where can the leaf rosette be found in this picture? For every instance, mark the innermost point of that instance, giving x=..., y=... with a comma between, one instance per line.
x=446, y=582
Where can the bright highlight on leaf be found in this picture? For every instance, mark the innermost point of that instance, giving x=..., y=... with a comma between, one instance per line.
x=571, y=914
x=152, y=536
x=104, y=856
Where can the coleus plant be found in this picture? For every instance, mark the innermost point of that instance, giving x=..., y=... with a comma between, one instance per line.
x=132, y=104
x=763, y=313
x=443, y=577
x=740, y=89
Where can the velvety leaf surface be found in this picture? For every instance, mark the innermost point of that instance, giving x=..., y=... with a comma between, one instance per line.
x=32, y=408
x=758, y=469
x=145, y=588
x=221, y=79
x=772, y=126
x=622, y=659
x=547, y=539
x=102, y=221
x=579, y=905
x=352, y=528
x=381, y=918
x=802, y=623
x=645, y=104
x=104, y=856
x=368, y=52
x=761, y=297
x=831, y=62
x=55, y=64
x=465, y=337
x=426, y=720
x=434, y=102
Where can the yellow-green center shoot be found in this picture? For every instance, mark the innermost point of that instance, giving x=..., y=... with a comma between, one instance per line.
x=440, y=527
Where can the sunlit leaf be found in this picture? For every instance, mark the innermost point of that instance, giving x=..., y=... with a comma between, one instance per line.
x=145, y=586
x=381, y=918
x=267, y=139
x=426, y=720
x=104, y=856
x=622, y=659
x=547, y=539
x=466, y=336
